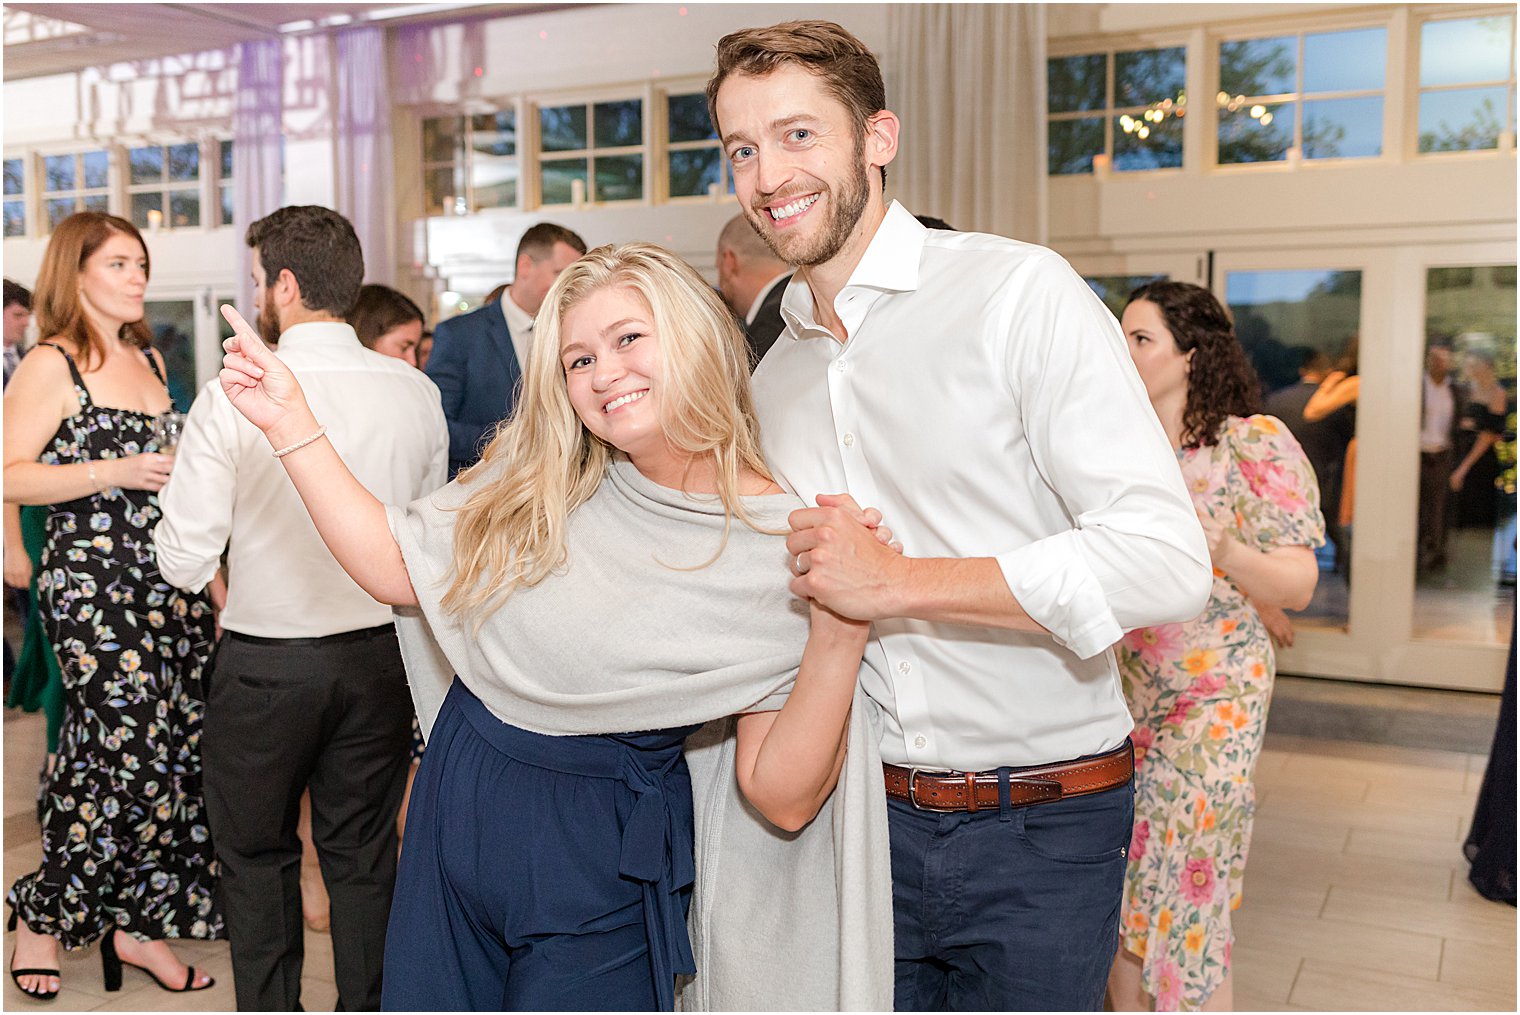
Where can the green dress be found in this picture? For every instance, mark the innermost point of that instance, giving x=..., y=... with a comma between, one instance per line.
x=37, y=681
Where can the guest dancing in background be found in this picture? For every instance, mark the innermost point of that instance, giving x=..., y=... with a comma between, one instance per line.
x=124, y=839
x=1199, y=690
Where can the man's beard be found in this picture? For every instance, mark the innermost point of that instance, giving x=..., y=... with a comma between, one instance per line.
x=845, y=207
x=269, y=327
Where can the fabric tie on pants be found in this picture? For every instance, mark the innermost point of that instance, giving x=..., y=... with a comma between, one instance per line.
x=654, y=857
x=654, y=852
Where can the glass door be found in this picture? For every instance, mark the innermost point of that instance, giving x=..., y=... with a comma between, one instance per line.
x=1357, y=326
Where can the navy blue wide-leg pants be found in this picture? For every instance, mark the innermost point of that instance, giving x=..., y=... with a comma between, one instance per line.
x=541, y=873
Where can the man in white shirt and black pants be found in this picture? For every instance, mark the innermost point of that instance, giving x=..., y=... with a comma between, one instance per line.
x=975, y=391
x=307, y=687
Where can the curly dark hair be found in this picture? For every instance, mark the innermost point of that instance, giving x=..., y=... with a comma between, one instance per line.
x=1221, y=381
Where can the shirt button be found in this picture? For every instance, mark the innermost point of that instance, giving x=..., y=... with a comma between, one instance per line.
x=849, y=440
x=920, y=741
x=904, y=668
x=839, y=365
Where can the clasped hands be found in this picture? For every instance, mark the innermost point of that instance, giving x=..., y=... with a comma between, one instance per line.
x=844, y=559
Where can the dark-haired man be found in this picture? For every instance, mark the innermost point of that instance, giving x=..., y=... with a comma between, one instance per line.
x=18, y=315
x=478, y=358
x=751, y=279
x=975, y=391
x=308, y=688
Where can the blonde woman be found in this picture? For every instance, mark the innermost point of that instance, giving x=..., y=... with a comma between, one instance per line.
x=611, y=576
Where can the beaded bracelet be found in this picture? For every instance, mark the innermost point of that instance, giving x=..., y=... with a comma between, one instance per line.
x=89, y=467
x=298, y=445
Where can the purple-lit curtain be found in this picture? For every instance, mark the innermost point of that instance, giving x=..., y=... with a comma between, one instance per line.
x=363, y=145
x=258, y=183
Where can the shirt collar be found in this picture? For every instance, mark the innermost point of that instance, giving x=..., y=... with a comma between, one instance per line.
x=889, y=264
x=519, y=321
x=313, y=333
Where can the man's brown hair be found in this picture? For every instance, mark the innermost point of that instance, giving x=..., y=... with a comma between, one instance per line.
x=319, y=247
x=538, y=242
x=848, y=69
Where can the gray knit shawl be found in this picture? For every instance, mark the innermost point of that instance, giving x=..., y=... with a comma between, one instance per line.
x=635, y=634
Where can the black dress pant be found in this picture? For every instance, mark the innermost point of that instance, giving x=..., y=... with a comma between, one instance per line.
x=329, y=714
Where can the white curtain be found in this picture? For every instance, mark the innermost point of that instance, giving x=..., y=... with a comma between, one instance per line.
x=968, y=81
x=363, y=147
x=257, y=149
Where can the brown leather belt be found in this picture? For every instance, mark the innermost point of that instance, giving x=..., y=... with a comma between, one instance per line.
x=975, y=791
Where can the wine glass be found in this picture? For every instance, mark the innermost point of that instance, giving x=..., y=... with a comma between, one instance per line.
x=167, y=426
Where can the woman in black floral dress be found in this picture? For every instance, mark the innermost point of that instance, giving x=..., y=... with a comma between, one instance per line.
x=124, y=839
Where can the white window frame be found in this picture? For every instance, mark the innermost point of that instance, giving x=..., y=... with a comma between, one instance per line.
x=79, y=194
x=1110, y=113
x=1506, y=134
x=535, y=156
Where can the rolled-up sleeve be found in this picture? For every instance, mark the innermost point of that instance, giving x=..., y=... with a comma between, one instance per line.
x=1135, y=555
x=197, y=501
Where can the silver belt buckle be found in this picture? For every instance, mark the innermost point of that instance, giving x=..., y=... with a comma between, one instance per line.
x=913, y=773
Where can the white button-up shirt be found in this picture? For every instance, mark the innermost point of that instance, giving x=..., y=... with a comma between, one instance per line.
x=986, y=403
x=228, y=491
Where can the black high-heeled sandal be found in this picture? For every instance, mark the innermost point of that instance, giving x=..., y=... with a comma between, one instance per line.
x=111, y=963
x=17, y=974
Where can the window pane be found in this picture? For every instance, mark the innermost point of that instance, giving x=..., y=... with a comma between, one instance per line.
x=1467, y=119
x=184, y=208
x=97, y=169
x=555, y=178
x=1345, y=61
x=442, y=138
x=620, y=178
x=1073, y=143
x=1114, y=290
x=59, y=209
x=1258, y=66
x=562, y=128
x=227, y=218
x=95, y=202
x=1343, y=128
x=619, y=123
x=14, y=175
x=691, y=172
x=1283, y=319
x=142, y=205
x=147, y=164
x=1159, y=148
x=1247, y=138
x=1472, y=49
x=494, y=133
x=58, y=173
x=494, y=181
x=184, y=162
x=1076, y=83
x=688, y=118
x=15, y=218
x=1147, y=76
x=226, y=153
x=444, y=186
x=1465, y=569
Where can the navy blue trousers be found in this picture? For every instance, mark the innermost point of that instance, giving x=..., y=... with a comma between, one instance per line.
x=541, y=873
x=1015, y=909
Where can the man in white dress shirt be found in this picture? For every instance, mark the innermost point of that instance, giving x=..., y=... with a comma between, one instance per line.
x=975, y=391
x=307, y=686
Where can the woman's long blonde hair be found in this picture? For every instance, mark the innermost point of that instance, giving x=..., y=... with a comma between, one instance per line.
x=511, y=532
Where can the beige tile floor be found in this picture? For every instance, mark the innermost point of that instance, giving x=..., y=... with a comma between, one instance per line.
x=1356, y=893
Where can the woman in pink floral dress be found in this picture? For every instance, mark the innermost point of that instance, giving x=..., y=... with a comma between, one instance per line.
x=1199, y=690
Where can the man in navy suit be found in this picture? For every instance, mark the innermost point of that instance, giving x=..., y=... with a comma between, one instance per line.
x=752, y=280
x=478, y=357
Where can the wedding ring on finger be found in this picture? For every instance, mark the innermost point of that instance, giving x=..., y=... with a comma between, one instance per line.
x=799, y=566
